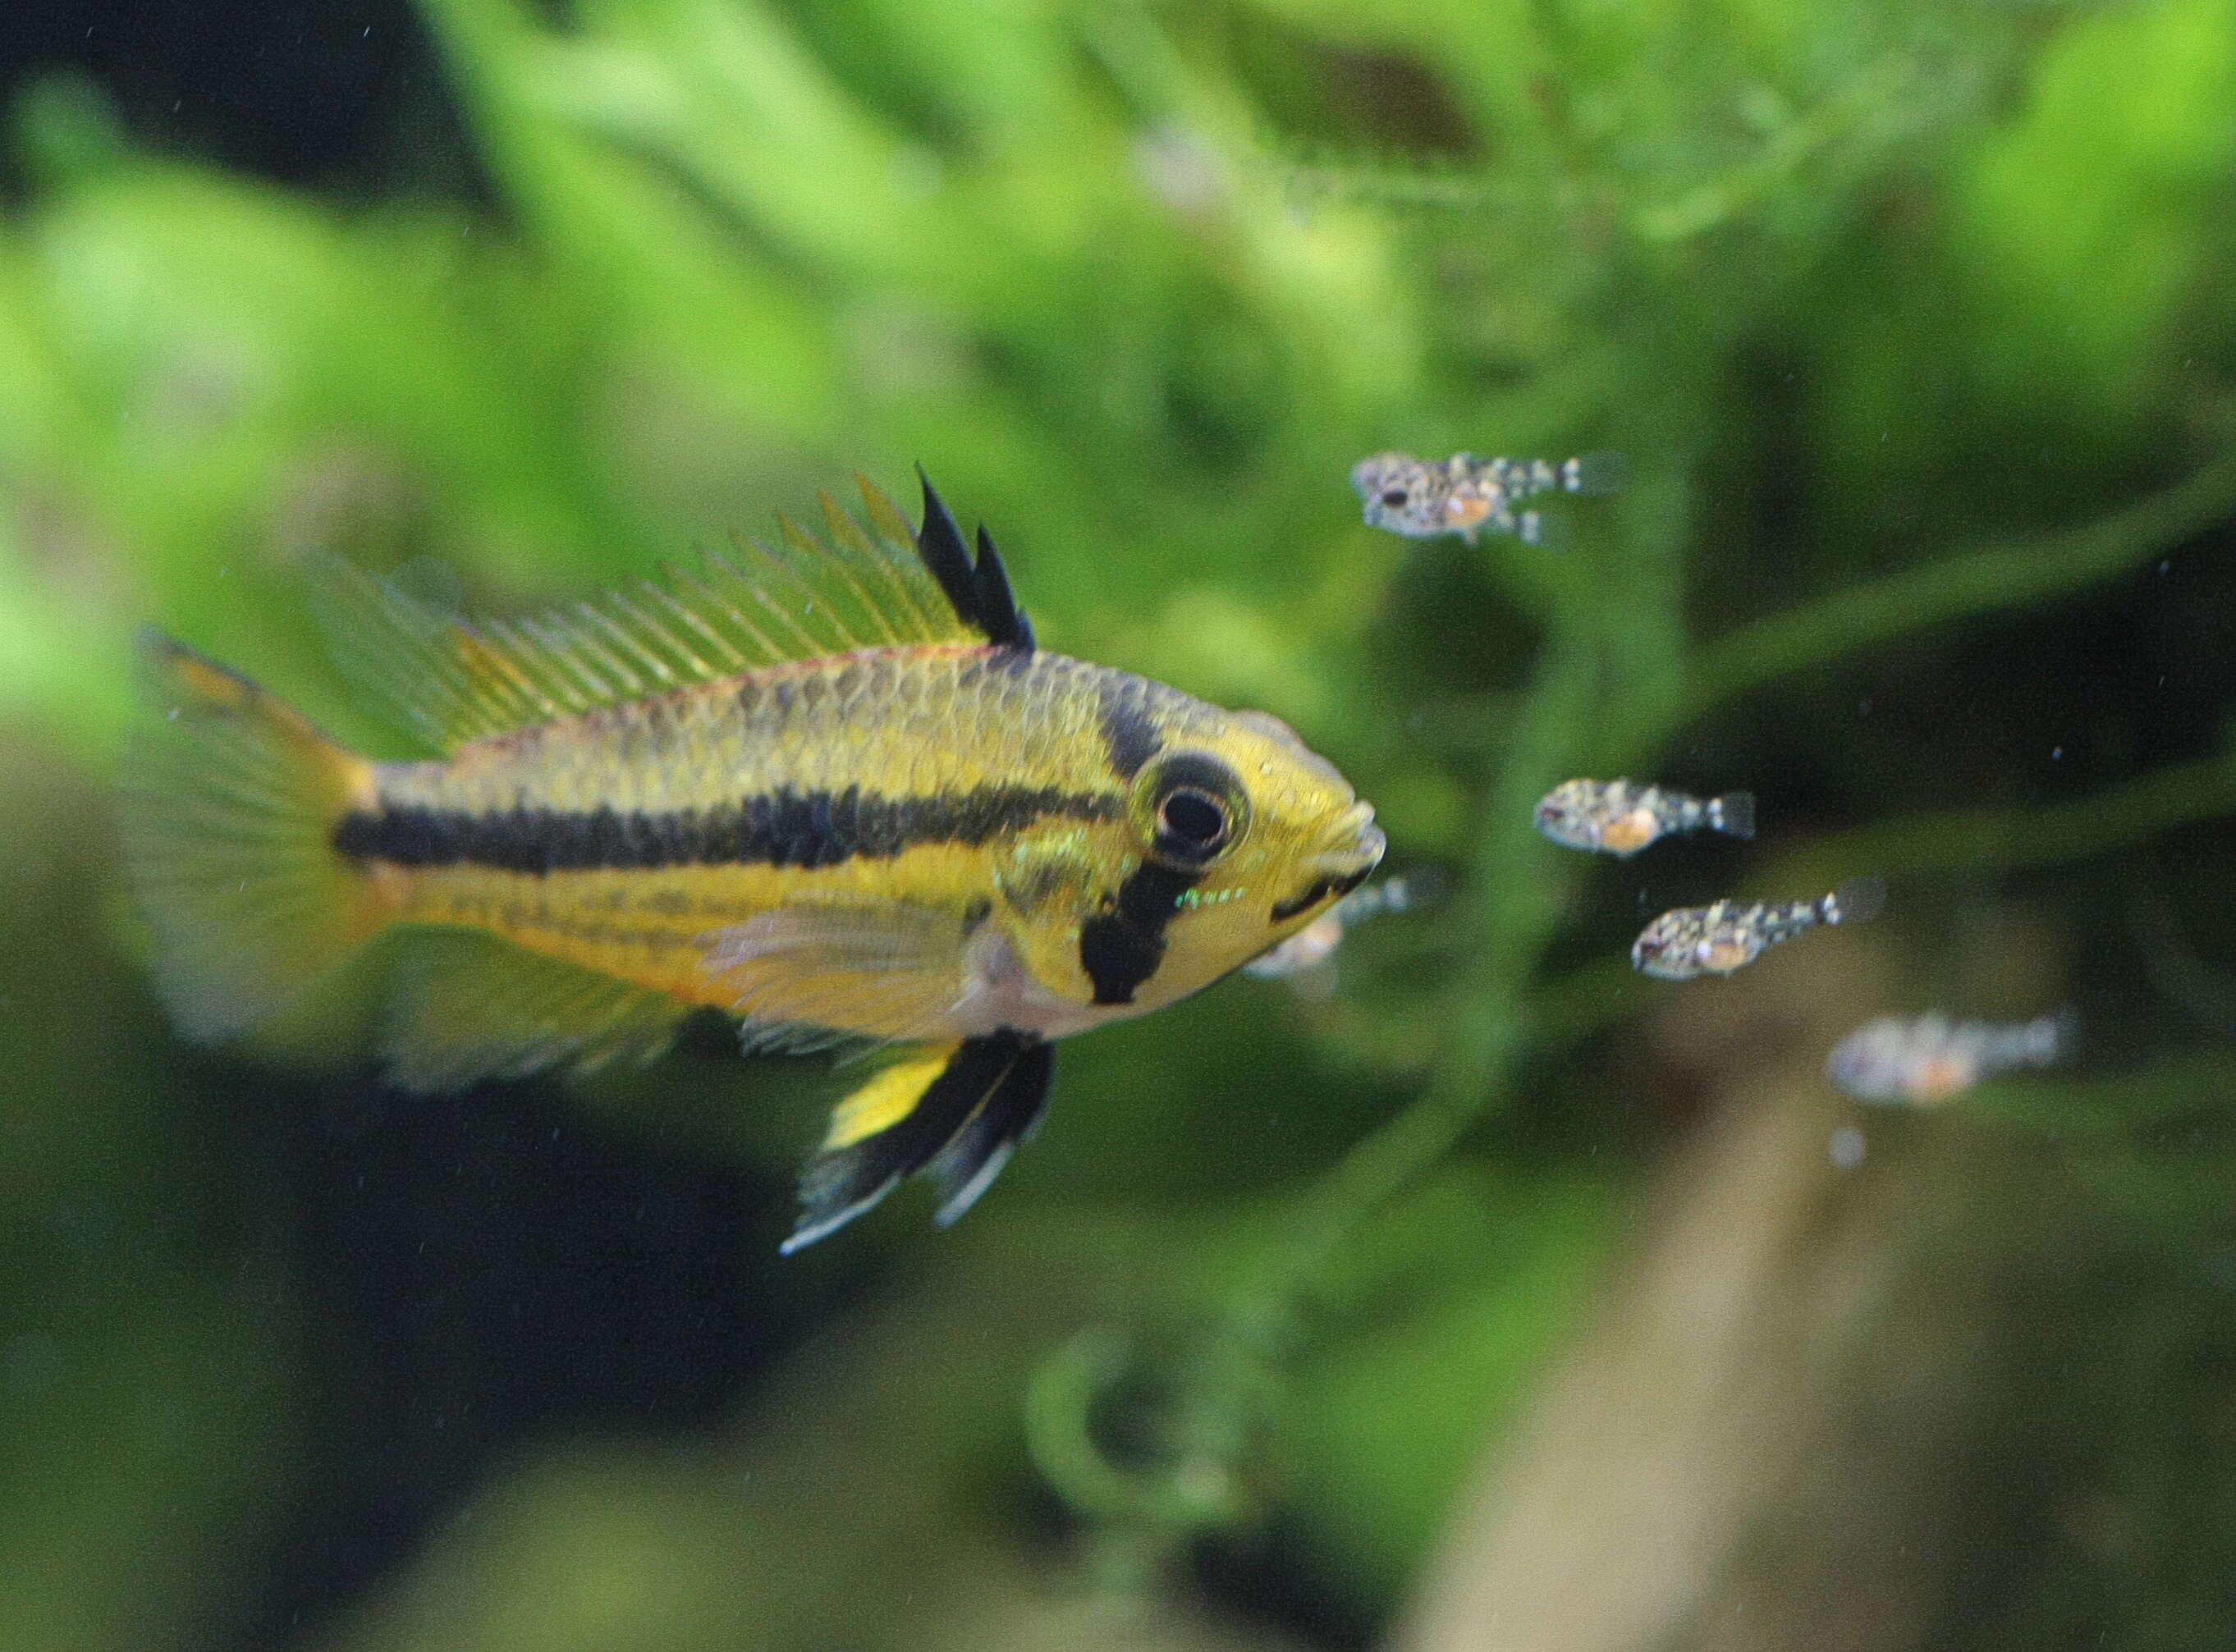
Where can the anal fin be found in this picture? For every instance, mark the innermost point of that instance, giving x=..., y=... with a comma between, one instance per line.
x=956, y=1111
x=466, y=1007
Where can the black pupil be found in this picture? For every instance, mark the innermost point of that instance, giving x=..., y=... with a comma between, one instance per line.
x=1193, y=817
x=1394, y=497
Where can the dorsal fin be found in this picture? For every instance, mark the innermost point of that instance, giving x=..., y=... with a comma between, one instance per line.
x=980, y=592
x=804, y=598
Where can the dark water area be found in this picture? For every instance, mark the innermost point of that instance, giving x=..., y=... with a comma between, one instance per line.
x=341, y=95
x=1470, y=1284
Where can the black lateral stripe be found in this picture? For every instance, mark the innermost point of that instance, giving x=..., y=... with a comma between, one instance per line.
x=1122, y=946
x=1129, y=736
x=781, y=828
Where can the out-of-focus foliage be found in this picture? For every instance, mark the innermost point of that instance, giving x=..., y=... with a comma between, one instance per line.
x=1904, y=314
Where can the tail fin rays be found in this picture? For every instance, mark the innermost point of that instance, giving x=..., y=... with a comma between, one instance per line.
x=230, y=799
x=1732, y=814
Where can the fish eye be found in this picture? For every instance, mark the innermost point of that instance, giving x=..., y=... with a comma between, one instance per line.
x=1393, y=497
x=1192, y=819
x=1194, y=807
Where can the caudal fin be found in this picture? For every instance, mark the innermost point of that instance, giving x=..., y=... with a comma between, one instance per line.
x=1732, y=814
x=228, y=805
x=1855, y=901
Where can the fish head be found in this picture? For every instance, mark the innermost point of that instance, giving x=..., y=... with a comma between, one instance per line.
x=1269, y=831
x=1689, y=943
x=1569, y=814
x=1664, y=950
x=1398, y=493
x=1871, y=1064
x=1234, y=837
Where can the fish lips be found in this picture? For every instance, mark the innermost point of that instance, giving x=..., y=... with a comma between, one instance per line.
x=1338, y=870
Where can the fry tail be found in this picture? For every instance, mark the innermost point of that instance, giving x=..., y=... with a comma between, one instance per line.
x=1593, y=474
x=1854, y=901
x=1732, y=814
x=228, y=802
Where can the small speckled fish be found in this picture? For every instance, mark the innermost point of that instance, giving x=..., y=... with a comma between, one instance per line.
x=1616, y=817
x=1726, y=937
x=1925, y=1061
x=1421, y=498
x=832, y=788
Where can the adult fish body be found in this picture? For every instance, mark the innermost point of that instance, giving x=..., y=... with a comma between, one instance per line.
x=832, y=788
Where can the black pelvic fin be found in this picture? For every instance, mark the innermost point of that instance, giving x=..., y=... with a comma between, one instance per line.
x=840, y=1184
x=980, y=594
x=974, y=1155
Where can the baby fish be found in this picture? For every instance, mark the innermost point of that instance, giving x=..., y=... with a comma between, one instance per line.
x=1616, y=817
x=1928, y=1059
x=1466, y=496
x=1314, y=945
x=1722, y=938
x=832, y=788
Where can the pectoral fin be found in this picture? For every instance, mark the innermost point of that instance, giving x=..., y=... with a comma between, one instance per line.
x=869, y=969
x=956, y=1111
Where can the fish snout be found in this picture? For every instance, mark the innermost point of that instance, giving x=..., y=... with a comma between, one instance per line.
x=1355, y=844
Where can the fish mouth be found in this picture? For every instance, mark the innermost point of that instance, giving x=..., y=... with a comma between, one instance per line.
x=1356, y=847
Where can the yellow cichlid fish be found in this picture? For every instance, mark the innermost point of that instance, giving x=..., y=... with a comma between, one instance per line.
x=832, y=788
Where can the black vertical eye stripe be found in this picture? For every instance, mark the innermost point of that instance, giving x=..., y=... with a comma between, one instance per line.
x=1122, y=946
x=1130, y=738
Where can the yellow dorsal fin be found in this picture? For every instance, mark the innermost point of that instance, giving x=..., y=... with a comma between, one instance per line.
x=803, y=598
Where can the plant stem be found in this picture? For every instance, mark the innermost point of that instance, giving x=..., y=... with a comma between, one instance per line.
x=2006, y=574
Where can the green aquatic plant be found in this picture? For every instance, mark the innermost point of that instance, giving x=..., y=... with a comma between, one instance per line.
x=1903, y=315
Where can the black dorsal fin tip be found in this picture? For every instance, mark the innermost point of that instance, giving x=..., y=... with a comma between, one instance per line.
x=978, y=591
x=998, y=608
x=939, y=541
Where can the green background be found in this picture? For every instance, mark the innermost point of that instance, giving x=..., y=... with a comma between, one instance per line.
x=1914, y=323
